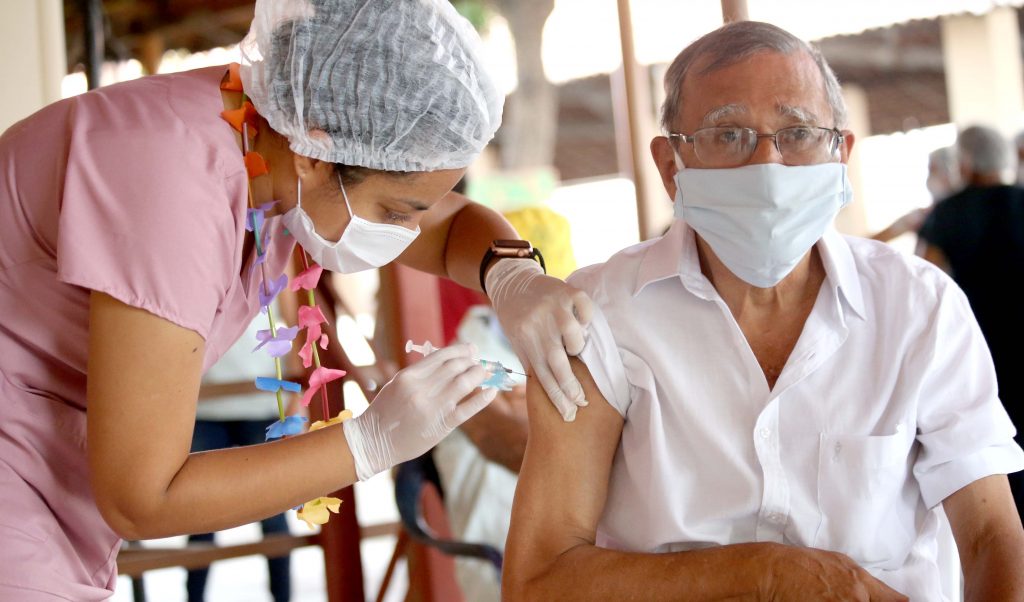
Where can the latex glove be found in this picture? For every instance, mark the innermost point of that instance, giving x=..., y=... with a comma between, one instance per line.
x=416, y=409
x=545, y=320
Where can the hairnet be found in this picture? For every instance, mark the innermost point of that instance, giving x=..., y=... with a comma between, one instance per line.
x=396, y=85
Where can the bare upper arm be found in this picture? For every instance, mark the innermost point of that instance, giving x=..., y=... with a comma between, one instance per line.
x=143, y=381
x=564, y=479
x=980, y=511
x=426, y=253
x=936, y=256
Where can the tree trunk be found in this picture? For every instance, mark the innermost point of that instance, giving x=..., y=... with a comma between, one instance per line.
x=528, y=132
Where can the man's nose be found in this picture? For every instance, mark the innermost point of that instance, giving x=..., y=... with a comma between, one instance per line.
x=765, y=152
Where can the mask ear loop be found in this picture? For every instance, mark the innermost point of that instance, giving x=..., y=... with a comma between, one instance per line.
x=298, y=192
x=675, y=155
x=344, y=195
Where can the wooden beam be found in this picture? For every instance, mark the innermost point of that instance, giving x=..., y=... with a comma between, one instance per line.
x=734, y=10
x=632, y=79
x=134, y=561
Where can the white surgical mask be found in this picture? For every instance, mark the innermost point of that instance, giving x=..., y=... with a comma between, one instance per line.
x=363, y=245
x=760, y=220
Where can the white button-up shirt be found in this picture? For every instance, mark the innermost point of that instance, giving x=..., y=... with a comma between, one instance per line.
x=886, y=406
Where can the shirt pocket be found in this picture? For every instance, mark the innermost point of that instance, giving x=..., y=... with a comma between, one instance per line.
x=866, y=497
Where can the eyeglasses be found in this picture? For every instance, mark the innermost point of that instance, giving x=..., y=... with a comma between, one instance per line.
x=733, y=146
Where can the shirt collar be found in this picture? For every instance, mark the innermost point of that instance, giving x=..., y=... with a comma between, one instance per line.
x=675, y=255
x=668, y=257
x=841, y=270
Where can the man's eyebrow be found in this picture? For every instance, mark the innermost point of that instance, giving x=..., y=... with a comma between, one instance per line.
x=798, y=113
x=413, y=204
x=721, y=112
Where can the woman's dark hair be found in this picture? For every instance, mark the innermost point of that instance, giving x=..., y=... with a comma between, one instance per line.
x=352, y=175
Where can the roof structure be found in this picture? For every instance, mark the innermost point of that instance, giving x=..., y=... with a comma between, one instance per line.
x=893, y=50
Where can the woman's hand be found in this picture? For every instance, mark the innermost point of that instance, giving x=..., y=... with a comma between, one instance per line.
x=417, y=409
x=544, y=318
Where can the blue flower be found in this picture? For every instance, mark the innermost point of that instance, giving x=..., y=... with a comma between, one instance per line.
x=273, y=385
x=292, y=425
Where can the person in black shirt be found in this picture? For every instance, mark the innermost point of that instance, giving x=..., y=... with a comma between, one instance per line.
x=977, y=235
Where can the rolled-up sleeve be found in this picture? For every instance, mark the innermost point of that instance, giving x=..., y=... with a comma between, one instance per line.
x=964, y=432
x=602, y=358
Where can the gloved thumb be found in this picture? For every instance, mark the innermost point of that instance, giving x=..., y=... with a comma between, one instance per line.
x=583, y=307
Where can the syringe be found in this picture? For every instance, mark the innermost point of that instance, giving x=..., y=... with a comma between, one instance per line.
x=427, y=348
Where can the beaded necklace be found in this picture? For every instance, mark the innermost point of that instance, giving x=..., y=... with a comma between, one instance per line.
x=277, y=341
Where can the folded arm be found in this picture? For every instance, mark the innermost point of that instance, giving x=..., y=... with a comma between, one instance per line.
x=551, y=552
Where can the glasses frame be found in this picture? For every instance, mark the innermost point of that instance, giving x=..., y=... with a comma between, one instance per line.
x=837, y=138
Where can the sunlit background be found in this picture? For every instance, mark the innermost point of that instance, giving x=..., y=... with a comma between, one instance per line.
x=896, y=58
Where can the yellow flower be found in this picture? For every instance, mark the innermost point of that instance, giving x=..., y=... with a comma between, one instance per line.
x=316, y=512
x=341, y=417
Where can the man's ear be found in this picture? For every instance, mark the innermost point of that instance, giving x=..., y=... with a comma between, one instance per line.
x=665, y=160
x=846, y=146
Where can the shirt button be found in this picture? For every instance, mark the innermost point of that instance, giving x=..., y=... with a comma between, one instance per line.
x=765, y=433
x=775, y=517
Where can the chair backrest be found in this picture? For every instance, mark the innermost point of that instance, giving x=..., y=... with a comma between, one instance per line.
x=410, y=479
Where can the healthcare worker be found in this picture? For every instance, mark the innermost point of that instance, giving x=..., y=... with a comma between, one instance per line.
x=126, y=270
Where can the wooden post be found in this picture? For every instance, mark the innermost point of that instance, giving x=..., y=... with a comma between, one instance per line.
x=340, y=537
x=734, y=10
x=632, y=80
x=95, y=42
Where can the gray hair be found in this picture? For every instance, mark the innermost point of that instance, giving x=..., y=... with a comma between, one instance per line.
x=944, y=161
x=733, y=43
x=983, y=149
x=1019, y=140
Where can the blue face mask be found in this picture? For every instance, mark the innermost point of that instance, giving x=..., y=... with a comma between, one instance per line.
x=760, y=220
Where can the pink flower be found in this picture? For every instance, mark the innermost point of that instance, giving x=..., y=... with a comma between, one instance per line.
x=307, y=279
x=310, y=318
x=310, y=315
x=320, y=377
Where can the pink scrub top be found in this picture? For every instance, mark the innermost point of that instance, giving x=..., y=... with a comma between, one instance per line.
x=137, y=190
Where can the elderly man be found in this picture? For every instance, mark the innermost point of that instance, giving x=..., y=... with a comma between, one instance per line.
x=977, y=235
x=775, y=411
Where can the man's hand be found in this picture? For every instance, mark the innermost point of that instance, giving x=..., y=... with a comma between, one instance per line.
x=797, y=574
x=500, y=430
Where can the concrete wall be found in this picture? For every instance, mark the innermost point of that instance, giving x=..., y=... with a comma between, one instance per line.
x=32, y=56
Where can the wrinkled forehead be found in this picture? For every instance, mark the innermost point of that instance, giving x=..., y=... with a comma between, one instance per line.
x=786, y=86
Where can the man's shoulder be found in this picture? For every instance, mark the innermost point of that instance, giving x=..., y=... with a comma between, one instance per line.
x=886, y=271
x=617, y=273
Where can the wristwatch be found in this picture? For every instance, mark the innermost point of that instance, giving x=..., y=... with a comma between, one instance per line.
x=502, y=248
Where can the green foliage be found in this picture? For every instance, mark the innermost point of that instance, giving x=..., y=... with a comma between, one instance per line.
x=476, y=12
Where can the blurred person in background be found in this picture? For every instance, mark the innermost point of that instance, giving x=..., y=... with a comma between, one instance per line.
x=977, y=236
x=943, y=180
x=479, y=462
x=1019, y=142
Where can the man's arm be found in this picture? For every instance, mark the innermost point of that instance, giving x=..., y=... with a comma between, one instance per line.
x=936, y=256
x=989, y=536
x=550, y=553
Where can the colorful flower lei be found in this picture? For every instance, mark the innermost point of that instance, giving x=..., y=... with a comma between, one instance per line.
x=277, y=341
